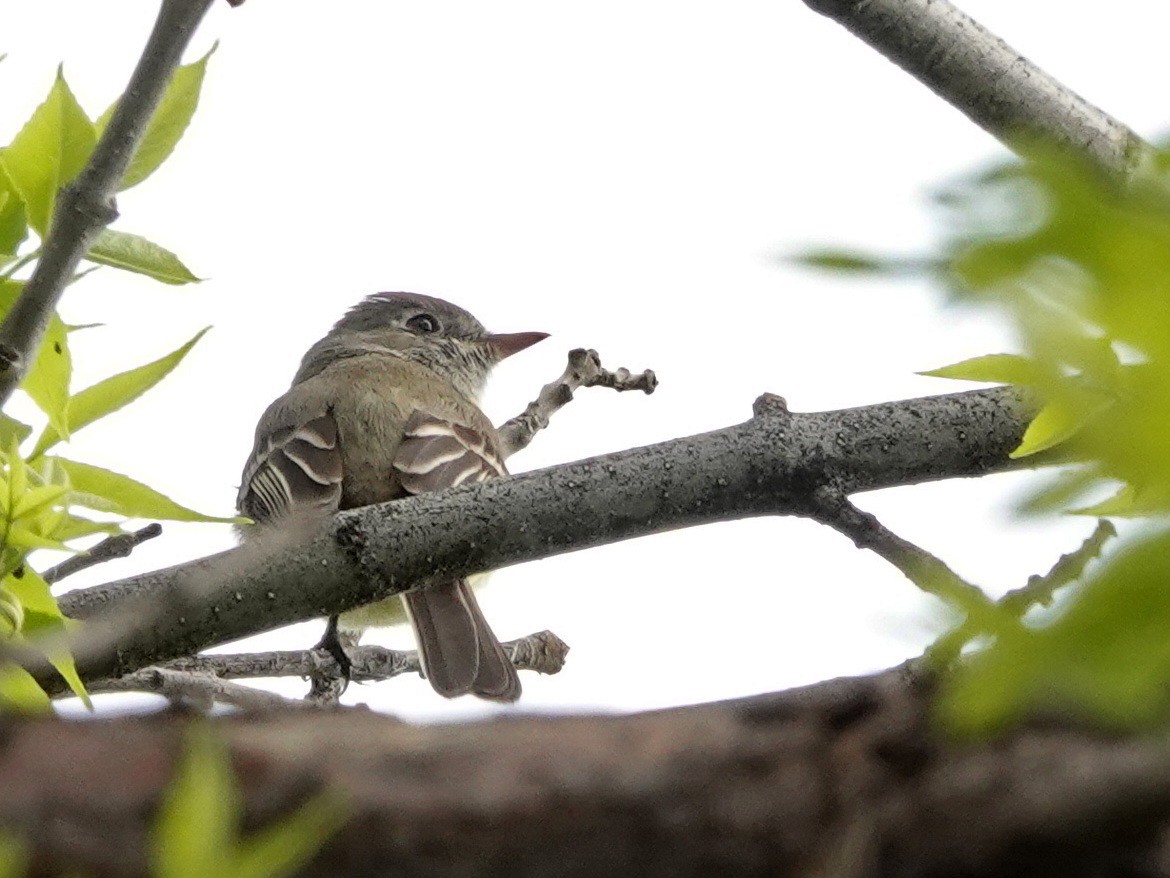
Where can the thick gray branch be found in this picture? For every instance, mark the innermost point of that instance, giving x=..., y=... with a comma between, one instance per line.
x=769, y=465
x=979, y=74
x=86, y=206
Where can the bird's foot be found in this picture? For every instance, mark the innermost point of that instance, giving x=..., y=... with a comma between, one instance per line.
x=331, y=643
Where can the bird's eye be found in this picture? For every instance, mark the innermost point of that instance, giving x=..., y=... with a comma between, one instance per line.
x=423, y=323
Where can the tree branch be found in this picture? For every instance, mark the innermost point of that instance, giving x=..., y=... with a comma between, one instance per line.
x=86, y=206
x=196, y=689
x=850, y=777
x=200, y=679
x=1038, y=591
x=583, y=370
x=114, y=546
x=766, y=466
x=928, y=572
x=980, y=75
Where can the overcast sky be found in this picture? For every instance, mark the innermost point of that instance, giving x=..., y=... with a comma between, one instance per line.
x=623, y=175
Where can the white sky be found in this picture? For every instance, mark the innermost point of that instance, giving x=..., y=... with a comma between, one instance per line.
x=622, y=175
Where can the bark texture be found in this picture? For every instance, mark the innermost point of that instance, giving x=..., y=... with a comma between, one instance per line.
x=992, y=83
x=845, y=778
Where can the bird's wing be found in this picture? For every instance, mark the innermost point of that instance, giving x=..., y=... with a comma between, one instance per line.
x=459, y=651
x=293, y=467
x=437, y=453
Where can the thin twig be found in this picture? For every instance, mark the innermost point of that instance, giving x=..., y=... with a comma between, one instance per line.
x=197, y=689
x=1038, y=591
x=113, y=546
x=929, y=573
x=542, y=652
x=583, y=370
x=197, y=678
x=86, y=205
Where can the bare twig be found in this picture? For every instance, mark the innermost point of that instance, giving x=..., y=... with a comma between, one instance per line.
x=113, y=546
x=932, y=575
x=583, y=370
x=202, y=679
x=993, y=84
x=195, y=688
x=86, y=206
x=542, y=652
x=1036, y=592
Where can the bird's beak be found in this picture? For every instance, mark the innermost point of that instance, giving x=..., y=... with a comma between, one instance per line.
x=507, y=343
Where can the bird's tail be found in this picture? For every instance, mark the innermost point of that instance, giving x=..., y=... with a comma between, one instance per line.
x=459, y=651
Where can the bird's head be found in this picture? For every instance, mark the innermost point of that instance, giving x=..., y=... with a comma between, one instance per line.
x=433, y=332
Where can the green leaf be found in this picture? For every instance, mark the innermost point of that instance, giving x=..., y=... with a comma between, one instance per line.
x=111, y=394
x=47, y=633
x=168, y=123
x=283, y=848
x=996, y=368
x=33, y=592
x=195, y=832
x=76, y=526
x=11, y=429
x=1107, y=656
x=854, y=262
x=47, y=382
x=137, y=254
x=1058, y=421
x=11, y=614
x=36, y=500
x=21, y=693
x=13, y=219
x=17, y=475
x=14, y=855
x=115, y=492
x=1121, y=504
x=23, y=538
x=49, y=151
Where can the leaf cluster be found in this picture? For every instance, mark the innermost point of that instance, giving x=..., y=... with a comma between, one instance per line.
x=1079, y=267
x=47, y=501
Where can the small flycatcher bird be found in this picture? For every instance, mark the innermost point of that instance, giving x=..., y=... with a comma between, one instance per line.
x=384, y=406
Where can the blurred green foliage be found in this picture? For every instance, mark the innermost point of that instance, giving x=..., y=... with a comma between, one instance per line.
x=1079, y=266
x=197, y=828
x=197, y=832
x=13, y=857
x=42, y=495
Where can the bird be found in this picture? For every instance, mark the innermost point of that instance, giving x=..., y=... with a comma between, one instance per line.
x=386, y=406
